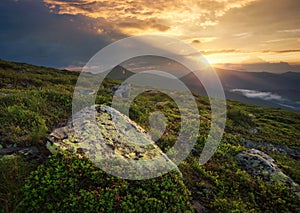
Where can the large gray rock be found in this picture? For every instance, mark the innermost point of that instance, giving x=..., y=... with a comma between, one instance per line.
x=258, y=163
x=106, y=143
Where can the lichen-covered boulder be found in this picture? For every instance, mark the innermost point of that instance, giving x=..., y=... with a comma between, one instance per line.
x=258, y=163
x=113, y=142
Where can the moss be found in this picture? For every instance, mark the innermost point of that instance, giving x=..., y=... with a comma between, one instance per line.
x=219, y=185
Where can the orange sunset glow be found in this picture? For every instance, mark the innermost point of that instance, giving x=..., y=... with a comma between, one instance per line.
x=225, y=31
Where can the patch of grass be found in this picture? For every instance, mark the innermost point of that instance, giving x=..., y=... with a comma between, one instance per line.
x=13, y=172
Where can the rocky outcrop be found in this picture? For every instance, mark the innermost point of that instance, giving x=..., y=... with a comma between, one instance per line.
x=280, y=149
x=258, y=163
x=111, y=139
x=122, y=91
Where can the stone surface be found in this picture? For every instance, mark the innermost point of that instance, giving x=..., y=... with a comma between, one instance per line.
x=10, y=150
x=25, y=151
x=122, y=91
x=21, y=70
x=253, y=130
x=280, y=149
x=85, y=92
x=104, y=142
x=251, y=115
x=198, y=207
x=29, y=151
x=258, y=163
x=10, y=86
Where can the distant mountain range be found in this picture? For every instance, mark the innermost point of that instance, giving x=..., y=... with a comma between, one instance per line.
x=259, y=88
x=261, y=66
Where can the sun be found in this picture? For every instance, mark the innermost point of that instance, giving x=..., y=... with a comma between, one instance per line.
x=212, y=61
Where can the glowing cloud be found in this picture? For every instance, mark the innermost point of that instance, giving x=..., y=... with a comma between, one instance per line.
x=134, y=17
x=212, y=26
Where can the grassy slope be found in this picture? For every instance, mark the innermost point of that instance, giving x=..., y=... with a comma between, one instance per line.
x=35, y=102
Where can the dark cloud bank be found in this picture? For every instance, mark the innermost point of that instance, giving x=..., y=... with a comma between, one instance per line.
x=30, y=33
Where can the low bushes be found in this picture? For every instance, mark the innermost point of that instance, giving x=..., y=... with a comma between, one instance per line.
x=70, y=184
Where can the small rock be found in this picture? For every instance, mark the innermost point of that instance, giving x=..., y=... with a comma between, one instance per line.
x=122, y=91
x=29, y=151
x=253, y=131
x=10, y=86
x=24, y=151
x=9, y=150
x=251, y=115
x=59, y=134
x=86, y=92
x=21, y=70
x=281, y=149
x=258, y=163
x=25, y=84
x=198, y=207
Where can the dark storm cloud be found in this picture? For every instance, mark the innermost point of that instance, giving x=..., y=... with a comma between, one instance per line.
x=31, y=33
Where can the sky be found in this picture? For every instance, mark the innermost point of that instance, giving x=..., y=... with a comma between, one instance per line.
x=67, y=33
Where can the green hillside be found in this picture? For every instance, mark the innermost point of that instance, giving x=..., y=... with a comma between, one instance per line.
x=36, y=100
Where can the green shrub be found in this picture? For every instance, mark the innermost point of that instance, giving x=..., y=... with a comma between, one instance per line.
x=70, y=184
x=22, y=126
x=240, y=117
x=13, y=171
